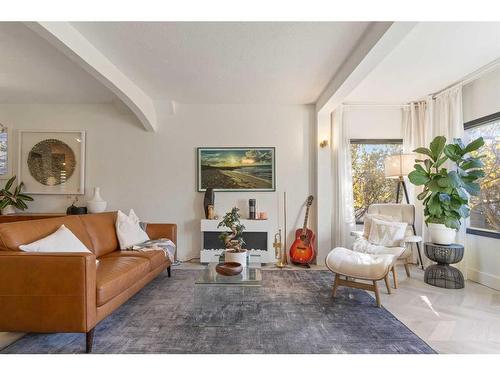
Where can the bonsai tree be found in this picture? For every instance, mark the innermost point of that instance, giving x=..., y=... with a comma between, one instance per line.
x=233, y=239
x=446, y=193
x=14, y=198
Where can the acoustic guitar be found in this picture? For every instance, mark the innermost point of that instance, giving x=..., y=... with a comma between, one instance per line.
x=302, y=250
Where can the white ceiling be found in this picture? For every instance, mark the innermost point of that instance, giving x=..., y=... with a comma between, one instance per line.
x=33, y=71
x=228, y=62
x=433, y=56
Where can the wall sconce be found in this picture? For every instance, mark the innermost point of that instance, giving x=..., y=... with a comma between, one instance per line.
x=323, y=143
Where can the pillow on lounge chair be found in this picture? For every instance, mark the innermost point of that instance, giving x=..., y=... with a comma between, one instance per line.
x=62, y=240
x=368, y=222
x=386, y=233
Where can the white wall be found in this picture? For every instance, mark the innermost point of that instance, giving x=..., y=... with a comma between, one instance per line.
x=481, y=98
x=155, y=173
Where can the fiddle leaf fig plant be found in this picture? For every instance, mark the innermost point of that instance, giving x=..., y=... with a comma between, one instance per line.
x=446, y=193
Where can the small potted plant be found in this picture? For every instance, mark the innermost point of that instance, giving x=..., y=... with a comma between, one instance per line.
x=233, y=240
x=446, y=193
x=10, y=200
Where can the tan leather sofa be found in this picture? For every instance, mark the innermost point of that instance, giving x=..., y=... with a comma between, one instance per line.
x=68, y=292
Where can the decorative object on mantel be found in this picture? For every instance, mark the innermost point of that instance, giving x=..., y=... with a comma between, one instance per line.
x=236, y=168
x=75, y=210
x=9, y=201
x=229, y=268
x=252, y=207
x=96, y=204
x=233, y=240
x=209, y=200
x=263, y=215
x=442, y=274
x=445, y=195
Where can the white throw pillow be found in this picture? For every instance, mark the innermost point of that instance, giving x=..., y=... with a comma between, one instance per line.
x=129, y=231
x=387, y=233
x=368, y=222
x=62, y=240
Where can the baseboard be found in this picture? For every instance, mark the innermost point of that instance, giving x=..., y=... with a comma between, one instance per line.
x=7, y=338
x=487, y=279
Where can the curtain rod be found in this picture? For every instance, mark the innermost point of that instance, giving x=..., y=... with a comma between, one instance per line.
x=381, y=105
x=470, y=77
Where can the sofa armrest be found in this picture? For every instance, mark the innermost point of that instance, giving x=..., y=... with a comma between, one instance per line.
x=156, y=231
x=47, y=292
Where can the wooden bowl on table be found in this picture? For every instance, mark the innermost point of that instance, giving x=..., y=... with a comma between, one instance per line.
x=229, y=268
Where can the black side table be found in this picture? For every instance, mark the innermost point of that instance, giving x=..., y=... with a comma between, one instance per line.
x=442, y=274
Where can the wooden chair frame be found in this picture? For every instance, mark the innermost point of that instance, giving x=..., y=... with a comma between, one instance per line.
x=350, y=281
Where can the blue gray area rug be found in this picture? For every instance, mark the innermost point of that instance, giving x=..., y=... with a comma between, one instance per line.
x=292, y=312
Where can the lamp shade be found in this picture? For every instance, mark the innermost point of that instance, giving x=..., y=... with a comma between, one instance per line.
x=399, y=165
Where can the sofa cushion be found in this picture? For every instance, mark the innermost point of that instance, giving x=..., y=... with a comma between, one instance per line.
x=22, y=232
x=155, y=257
x=116, y=274
x=101, y=230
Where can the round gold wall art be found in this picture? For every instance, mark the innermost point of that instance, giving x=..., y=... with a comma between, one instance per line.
x=51, y=162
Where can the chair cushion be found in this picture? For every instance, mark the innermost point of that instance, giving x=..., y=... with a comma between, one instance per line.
x=359, y=265
x=155, y=257
x=116, y=274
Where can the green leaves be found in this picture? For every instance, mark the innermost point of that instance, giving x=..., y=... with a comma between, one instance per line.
x=437, y=146
x=423, y=150
x=446, y=193
x=15, y=198
x=418, y=177
x=474, y=145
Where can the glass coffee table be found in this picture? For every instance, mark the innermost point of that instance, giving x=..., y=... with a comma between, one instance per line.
x=250, y=276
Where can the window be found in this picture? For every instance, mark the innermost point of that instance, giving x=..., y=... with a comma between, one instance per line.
x=368, y=179
x=485, y=209
x=4, y=170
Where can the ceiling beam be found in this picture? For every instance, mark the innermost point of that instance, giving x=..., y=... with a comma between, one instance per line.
x=74, y=45
x=375, y=44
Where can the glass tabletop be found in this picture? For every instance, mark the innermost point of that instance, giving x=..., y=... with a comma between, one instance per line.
x=250, y=276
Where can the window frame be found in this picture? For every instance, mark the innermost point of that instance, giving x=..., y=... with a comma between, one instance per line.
x=470, y=125
x=374, y=141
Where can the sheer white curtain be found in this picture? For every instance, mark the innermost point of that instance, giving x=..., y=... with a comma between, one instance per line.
x=423, y=121
x=343, y=203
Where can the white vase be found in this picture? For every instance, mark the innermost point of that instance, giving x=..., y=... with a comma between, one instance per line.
x=441, y=234
x=96, y=204
x=9, y=210
x=241, y=257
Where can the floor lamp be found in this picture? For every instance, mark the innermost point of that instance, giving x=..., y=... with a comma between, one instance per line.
x=398, y=167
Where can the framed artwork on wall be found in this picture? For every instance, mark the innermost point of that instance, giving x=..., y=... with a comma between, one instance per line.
x=5, y=152
x=52, y=162
x=237, y=168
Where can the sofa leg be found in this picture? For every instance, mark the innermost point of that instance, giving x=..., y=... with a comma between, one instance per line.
x=169, y=273
x=90, y=340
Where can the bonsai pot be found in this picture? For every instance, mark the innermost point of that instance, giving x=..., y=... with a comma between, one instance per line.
x=441, y=234
x=8, y=210
x=234, y=256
